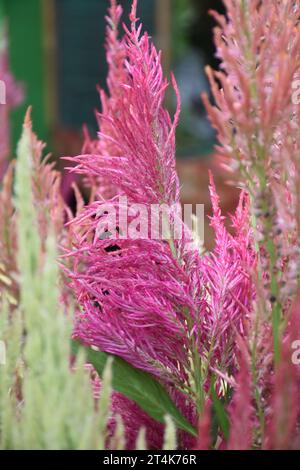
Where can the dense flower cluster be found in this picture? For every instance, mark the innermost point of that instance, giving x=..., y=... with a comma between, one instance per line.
x=158, y=304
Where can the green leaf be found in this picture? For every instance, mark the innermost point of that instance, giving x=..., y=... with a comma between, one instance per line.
x=140, y=387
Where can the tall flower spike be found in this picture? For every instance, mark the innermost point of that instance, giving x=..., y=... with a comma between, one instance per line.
x=134, y=293
x=153, y=302
x=257, y=119
x=47, y=202
x=144, y=169
x=225, y=273
x=46, y=186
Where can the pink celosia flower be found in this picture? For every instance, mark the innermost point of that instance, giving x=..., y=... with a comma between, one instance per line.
x=155, y=303
x=256, y=114
x=47, y=202
x=144, y=169
x=257, y=119
x=226, y=273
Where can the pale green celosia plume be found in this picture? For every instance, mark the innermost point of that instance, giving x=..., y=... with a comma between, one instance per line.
x=170, y=440
x=43, y=405
x=11, y=332
x=141, y=443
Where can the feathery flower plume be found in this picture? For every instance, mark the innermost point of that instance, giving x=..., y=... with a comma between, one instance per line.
x=122, y=289
x=47, y=203
x=256, y=116
x=133, y=292
x=226, y=273
x=155, y=303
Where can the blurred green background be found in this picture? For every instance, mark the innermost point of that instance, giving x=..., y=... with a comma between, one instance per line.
x=56, y=49
x=26, y=57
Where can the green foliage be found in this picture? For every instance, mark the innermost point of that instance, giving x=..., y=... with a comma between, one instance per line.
x=140, y=387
